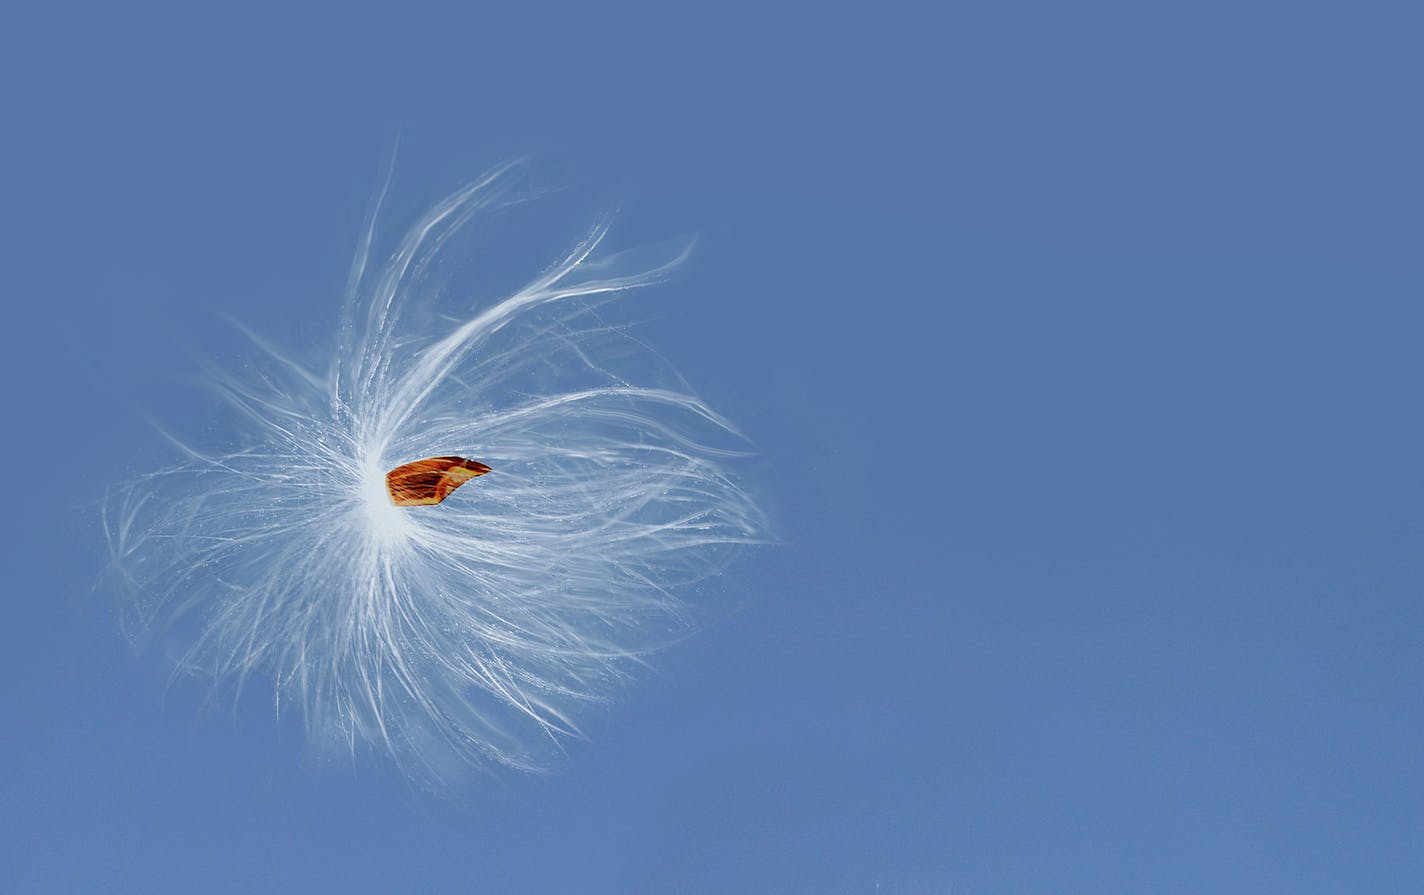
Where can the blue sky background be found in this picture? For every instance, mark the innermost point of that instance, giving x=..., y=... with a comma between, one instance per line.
x=1080, y=344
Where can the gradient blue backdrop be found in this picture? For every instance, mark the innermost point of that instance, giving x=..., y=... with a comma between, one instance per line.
x=1080, y=343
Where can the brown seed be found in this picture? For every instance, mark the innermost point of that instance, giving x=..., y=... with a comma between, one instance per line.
x=430, y=481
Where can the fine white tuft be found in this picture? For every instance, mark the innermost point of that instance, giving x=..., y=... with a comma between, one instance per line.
x=464, y=634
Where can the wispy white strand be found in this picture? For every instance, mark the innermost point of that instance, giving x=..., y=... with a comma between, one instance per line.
x=468, y=633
